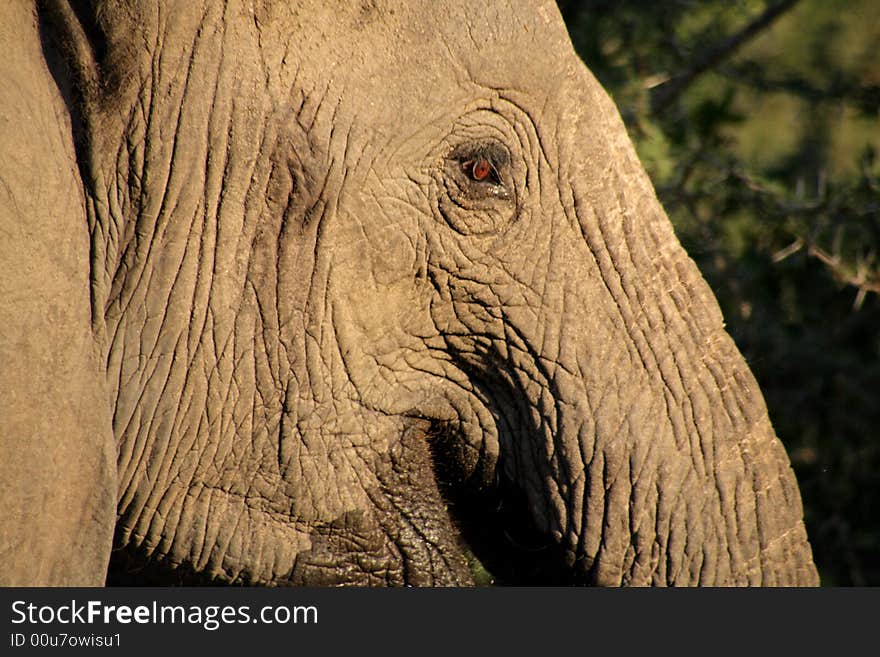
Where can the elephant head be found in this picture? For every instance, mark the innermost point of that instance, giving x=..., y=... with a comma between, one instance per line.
x=361, y=289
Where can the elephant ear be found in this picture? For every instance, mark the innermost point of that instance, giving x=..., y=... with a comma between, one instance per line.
x=57, y=457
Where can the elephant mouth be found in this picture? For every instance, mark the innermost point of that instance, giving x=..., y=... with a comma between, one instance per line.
x=492, y=515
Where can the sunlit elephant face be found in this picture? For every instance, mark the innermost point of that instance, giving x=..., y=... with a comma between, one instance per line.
x=378, y=287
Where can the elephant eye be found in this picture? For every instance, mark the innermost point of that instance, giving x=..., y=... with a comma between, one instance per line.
x=479, y=172
x=480, y=169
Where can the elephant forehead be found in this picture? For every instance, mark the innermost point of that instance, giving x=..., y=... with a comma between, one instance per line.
x=405, y=58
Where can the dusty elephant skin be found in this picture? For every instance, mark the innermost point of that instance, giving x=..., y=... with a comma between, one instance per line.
x=339, y=293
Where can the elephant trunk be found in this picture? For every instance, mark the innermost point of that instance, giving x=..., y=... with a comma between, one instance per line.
x=643, y=453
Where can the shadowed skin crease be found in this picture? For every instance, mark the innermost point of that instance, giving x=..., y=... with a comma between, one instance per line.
x=357, y=294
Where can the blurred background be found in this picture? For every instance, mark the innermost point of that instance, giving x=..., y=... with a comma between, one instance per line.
x=759, y=123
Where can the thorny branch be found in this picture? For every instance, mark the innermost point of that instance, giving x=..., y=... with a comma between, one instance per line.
x=863, y=274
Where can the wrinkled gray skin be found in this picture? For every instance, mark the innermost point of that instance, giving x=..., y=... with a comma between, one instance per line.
x=261, y=324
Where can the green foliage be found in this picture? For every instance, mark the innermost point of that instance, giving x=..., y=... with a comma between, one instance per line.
x=760, y=131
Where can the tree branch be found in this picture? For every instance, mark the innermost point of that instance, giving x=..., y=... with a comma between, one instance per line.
x=865, y=97
x=664, y=94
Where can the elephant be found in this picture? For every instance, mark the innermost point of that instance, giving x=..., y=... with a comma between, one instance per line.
x=356, y=293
